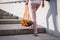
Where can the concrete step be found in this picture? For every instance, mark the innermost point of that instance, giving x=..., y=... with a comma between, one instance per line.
x=5, y=14
x=9, y=21
x=15, y=29
x=20, y=31
x=8, y=17
x=3, y=11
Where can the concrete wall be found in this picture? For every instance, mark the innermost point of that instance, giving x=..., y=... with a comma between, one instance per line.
x=52, y=18
x=47, y=17
x=58, y=17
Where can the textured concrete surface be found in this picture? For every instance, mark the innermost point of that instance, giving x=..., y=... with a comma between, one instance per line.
x=21, y=31
x=12, y=29
x=15, y=26
x=29, y=37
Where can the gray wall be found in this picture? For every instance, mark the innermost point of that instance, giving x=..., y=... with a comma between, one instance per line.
x=52, y=18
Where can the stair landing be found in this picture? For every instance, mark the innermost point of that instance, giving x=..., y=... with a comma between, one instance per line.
x=42, y=36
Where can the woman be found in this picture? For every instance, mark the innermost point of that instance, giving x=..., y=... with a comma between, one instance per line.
x=34, y=6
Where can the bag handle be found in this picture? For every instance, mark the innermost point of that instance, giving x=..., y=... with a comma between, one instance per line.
x=26, y=15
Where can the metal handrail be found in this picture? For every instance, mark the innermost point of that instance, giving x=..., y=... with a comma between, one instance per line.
x=12, y=2
x=16, y=2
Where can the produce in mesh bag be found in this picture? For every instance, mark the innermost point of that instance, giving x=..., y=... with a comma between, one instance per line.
x=26, y=23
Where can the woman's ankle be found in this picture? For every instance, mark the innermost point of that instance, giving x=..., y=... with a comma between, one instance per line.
x=35, y=34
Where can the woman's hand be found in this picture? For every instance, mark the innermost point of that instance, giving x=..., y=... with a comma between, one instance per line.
x=42, y=3
x=26, y=3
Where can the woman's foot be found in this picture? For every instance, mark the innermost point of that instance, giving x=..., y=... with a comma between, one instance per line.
x=35, y=34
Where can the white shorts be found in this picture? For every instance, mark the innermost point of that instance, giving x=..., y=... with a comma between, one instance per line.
x=35, y=1
x=30, y=9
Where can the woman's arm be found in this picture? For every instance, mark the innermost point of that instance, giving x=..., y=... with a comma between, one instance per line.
x=27, y=2
x=42, y=3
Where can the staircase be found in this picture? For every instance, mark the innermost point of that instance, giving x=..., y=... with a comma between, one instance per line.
x=10, y=25
x=7, y=18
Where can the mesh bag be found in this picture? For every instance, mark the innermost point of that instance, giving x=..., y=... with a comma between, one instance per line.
x=26, y=20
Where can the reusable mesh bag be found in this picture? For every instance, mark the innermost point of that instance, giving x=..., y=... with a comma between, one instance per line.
x=26, y=20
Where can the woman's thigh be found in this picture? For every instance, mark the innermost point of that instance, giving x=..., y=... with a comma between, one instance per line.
x=35, y=6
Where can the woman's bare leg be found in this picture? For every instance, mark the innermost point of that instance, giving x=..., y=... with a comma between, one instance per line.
x=34, y=7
